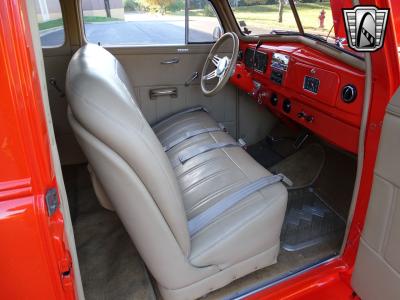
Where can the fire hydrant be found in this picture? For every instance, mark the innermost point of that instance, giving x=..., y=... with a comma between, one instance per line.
x=321, y=19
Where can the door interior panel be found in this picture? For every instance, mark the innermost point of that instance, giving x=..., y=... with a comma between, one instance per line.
x=147, y=71
x=377, y=269
x=56, y=63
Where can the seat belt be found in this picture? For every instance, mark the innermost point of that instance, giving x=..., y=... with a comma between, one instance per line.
x=182, y=112
x=189, y=134
x=194, y=151
x=210, y=214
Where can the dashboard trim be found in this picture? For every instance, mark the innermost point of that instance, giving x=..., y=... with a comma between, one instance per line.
x=345, y=57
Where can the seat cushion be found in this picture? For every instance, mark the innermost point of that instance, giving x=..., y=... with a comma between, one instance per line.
x=177, y=125
x=249, y=227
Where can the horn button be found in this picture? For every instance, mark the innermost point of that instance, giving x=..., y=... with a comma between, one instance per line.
x=222, y=66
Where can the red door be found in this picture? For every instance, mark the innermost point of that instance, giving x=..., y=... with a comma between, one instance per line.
x=34, y=259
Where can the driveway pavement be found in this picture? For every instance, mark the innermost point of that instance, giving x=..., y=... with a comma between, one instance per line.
x=141, y=29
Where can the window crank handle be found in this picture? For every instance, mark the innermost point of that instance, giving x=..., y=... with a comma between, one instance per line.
x=191, y=78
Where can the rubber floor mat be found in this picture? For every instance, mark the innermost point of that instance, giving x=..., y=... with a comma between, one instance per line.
x=264, y=153
x=302, y=167
x=309, y=222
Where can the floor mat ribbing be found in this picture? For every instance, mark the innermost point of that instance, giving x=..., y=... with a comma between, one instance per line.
x=309, y=221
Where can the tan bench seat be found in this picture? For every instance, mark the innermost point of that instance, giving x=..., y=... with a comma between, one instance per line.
x=155, y=197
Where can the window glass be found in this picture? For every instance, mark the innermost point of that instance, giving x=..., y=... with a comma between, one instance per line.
x=257, y=17
x=50, y=21
x=148, y=22
x=204, y=24
x=316, y=17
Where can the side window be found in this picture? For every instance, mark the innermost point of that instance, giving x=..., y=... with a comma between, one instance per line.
x=50, y=22
x=149, y=22
x=204, y=24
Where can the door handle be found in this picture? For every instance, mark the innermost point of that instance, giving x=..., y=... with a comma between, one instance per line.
x=172, y=92
x=191, y=78
x=171, y=61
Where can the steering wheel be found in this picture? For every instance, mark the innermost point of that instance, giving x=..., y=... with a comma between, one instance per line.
x=224, y=66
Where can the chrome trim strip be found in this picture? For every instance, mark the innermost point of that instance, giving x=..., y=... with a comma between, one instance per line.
x=286, y=276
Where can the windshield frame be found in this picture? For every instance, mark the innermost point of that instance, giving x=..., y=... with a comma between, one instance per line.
x=300, y=32
x=296, y=17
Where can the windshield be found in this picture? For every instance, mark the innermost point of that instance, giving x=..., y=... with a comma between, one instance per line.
x=316, y=18
x=257, y=17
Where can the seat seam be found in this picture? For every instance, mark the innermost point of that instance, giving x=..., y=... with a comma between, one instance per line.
x=185, y=118
x=202, y=164
x=180, y=123
x=224, y=150
x=220, y=191
x=204, y=179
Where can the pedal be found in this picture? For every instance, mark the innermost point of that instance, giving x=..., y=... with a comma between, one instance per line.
x=271, y=140
x=300, y=140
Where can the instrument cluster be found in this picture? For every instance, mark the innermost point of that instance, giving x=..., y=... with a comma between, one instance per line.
x=255, y=60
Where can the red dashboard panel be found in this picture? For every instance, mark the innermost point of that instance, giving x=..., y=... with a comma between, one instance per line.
x=312, y=89
x=328, y=87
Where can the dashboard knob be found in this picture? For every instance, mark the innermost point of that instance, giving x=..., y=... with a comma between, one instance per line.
x=301, y=115
x=306, y=117
x=309, y=118
x=274, y=99
x=349, y=93
x=286, y=106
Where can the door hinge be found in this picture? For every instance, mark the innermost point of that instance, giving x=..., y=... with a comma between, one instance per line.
x=65, y=267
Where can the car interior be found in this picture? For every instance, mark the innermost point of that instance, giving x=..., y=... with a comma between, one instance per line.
x=204, y=168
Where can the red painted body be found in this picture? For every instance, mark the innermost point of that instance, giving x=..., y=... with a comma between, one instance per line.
x=34, y=254
x=33, y=251
x=336, y=6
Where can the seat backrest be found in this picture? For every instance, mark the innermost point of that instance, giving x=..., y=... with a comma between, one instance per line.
x=104, y=111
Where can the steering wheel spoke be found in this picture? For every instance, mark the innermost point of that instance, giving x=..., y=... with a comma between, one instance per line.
x=216, y=60
x=210, y=75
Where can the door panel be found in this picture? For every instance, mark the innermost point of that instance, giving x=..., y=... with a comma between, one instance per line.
x=377, y=270
x=146, y=71
x=56, y=64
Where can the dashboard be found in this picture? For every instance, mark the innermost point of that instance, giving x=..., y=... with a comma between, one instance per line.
x=300, y=84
